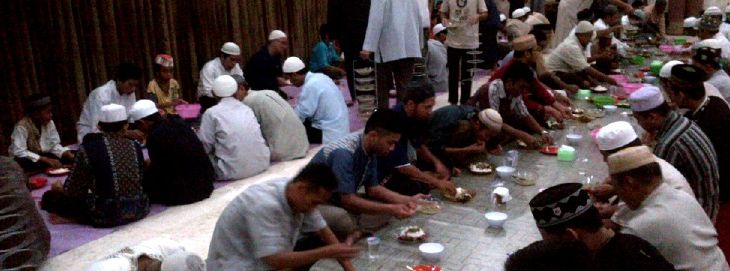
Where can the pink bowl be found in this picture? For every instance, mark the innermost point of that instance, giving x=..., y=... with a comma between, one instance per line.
x=631, y=87
x=666, y=48
x=188, y=111
x=620, y=78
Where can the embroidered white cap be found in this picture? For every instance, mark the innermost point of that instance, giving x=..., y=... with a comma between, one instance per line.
x=584, y=27
x=231, y=48
x=142, y=109
x=713, y=11
x=113, y=113
x=666, y=71
x=224, y=86
x=646, y=98
x=292, y=64
x=277, y=34
x=438, y=28
x=518, y=13
x=615, y=135
x=491, y=118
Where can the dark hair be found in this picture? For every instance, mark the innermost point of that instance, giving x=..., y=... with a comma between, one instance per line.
x=662, y=109
x=318, y=175
x=385, y=120
x=539, y=34
x=551, y=255
x=585, y=15
x=154, y=118
x=303, y=71
x=695, y=91
x=34, y=103
x=128, y=71
x=324, y=30
x=112, y=127
x=635, y=143
x=418, y=91
x=240, y=80
x=637, y=4
x=518, y=71
x=609, y=10
x=646, y=172
x=660, y=3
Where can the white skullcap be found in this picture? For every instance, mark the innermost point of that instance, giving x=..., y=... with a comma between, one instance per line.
x=224, y=86
x=527, y=9
x=231, y=48
x=111, y=264
x=666, y=71
x=491, y=118
x=645, y=99
x=584, y=27
x=615, y=135
x=113, y=113
x=713, y=11
x=630, y=158
x=277, y=34
x=690, y=22
x=438, y=28
x=142, y=109
x=518, y=13
x=292, y=64
x=157, y=248
x=502, y=17
x=711, y=43
x=183, y=261
x=537, y=18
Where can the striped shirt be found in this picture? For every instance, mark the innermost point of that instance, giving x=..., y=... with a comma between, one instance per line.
x=350, y=163
x=681, y=143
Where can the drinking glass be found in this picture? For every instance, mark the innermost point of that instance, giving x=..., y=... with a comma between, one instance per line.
x=373, y=247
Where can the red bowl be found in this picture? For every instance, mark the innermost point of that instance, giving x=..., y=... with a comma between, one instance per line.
x=38, y=182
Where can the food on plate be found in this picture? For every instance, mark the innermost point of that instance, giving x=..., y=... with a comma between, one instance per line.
x=412, y=234
x=38, y=182
x=600, y=89
x=462, y=195
x=551, y=150
x=553, y=124
x=58, y=171
x=481, y=168
x=429, y=207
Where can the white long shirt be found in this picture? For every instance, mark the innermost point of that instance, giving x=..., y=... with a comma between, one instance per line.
x=678, y=227
x=394, y=30
x=210, y=72
x=620, y=45
x=721, y=81
x=321, y=101
x=725, y=29
x=232, y=138
x=50, y=142
x=101, y=96
x=568, y=18
x=436, y=63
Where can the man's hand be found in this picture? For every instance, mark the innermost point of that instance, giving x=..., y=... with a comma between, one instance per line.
x=365, y=54
x=442, y=170
x=402, y=211
x=611, y=81
x=68, y=155
x=179, y=102
x=605, y=210
x=546, y=139
x=447, y=187
x=476, y=147
x=52, y=163
x=603, y=191
x=473, y=20
x=341, y=251
x=497, y=150
x=531, y=141
x=553, y=112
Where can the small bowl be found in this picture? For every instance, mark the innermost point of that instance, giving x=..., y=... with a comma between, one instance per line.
x=609, y=108
x=505, y=172
x=650, y=79
x=573, y=139
x=431, y=252
x=496, y=219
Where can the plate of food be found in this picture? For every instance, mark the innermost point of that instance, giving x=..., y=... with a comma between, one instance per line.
x=481, y=168
x=429, y=207
x=412, y=234
x=549, y=150
x=577, y=112
x=524, y=178
x=424, y=267
x=58, y=171
x=600, y=89
x=462, y=195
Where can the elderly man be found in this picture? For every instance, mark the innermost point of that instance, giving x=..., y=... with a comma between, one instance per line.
x=284, y=133
x=438, y=71
x=156, y=254
x=569, y=62
x=665, y=75
x=225, y=64
x=260, y=228
x=505, y=96
x=320, y=106
x=35, y=143
x=457, y=133
x=118, y=91
x=566, y=212
x=711, y=114
x=231, y=134
x=670, y=220
x=680, y=142
x=395, y=37
x=179, y=171
x=708, y=58
x=263, y=69
x=709, y=28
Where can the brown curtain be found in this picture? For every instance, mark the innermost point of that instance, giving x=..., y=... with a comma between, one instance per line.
x=66, y=48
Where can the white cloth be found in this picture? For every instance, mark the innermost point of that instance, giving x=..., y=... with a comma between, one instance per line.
x=126, y=258
x=50, y=142
x=425, y=13
x=715, y=3
x=673, y=177
x=210, y=72
x=436, y=62
x=725, y=29
x=677, y=226
x=322, y=103
x=280, y=125
x=101, y=96
x=463, y=35
x=568, y=57
x=721, y=81
x=258, y=223
x=725, y=43
x=568, y=18
x=232, y=138
x=620, y=45
x=711, y=90
x=392, y=29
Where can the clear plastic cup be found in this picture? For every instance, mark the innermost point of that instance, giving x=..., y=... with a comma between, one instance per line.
x=373, y=247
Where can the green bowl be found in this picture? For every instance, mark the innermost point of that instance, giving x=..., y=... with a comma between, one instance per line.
x=680, y=41
x=601, y=100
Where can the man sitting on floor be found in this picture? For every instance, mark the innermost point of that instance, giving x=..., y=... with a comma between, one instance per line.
x=505, y=96
x=263, y=68
x=284, y=133
x=458, y=133
x=231, y=134
x=665, y=75
x=35, y=143
x=682, y=143
x=156, y=254
x=225, y=64
x=566, y=212
x=179, y=171
x=568, y=60
x=354, y=161
x=321, y=106
x=711, y=114
x=670, y=220
x=709, y=28
x=105, y=186
x=260, y=228
x=708, y=58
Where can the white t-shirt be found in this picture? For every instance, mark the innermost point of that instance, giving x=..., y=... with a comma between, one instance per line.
x=678, y=227
x=465, y=35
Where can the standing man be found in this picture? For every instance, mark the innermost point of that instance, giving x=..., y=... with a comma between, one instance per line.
x=225, y=64
x=568, y=18
x=438, y=71
x=682, y=143
x=395, y=36
x=488, y=35
x=119, y=91
x=349, y=21
x=231, y=134
x=321, y=106
x=263, y=69
x=463, y=16
x=260, y=228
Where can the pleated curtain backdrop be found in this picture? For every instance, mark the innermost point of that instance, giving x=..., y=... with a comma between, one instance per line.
x=66, y=48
